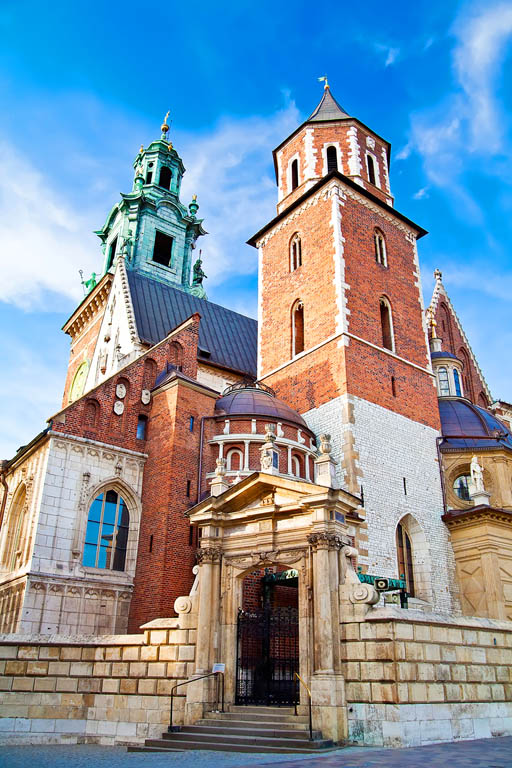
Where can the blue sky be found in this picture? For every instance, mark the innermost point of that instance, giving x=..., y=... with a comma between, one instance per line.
x=82, y=86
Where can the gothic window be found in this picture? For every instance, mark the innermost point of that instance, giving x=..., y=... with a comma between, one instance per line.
x=91, y=413
x=106, y=535
x=149, y=376
x=142, y=427
x=444, y=382
x=371, y=169
x=404, y=553
x=297, y=328
x=295, y=253
x=332, y=159
x=386, y=324
x=482, y=400
x=234, y=459
x=461, y=487
x=12, y=540
x=456, y=381
x=176, y=355
x=165, y=177
x=295, y=174
x=380, y=248
x=162, y=250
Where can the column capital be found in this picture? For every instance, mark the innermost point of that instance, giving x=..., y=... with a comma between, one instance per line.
x=208, y=555
x=324, y=540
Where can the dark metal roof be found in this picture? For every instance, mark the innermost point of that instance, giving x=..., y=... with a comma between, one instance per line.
x=478, y=428
x=251, y=401
x=328, y=109
x=441, y=354
x=226, y=338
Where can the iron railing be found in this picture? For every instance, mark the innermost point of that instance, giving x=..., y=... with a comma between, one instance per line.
x=300, y=680
x=192, y=680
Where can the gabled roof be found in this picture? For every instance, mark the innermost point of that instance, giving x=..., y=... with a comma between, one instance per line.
x=328, y=109
x=226, y=338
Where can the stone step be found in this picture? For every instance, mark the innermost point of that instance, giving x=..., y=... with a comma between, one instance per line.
x=257, y=717
x=185, y=735
x=256, y=709
x=163, y=745
x=258, y=725
x=244, y=729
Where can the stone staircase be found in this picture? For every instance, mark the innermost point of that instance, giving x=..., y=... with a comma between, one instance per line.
x=243, y=729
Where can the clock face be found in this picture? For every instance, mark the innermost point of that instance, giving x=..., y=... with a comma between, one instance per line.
x=121, y=390
x=118, y=407
x=78, y=385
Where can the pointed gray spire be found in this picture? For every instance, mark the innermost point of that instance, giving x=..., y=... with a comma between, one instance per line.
x=328, y=109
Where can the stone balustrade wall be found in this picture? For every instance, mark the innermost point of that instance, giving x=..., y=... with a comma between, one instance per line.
x=109, y=689
x=426, y=678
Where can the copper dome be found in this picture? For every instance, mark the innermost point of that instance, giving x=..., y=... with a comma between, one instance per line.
x=253, y=400
x=467, y=426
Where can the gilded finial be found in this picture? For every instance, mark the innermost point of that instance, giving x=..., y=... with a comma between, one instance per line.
x=141, y=148
x=325, y=81
x=432, y=322
x=438, y=274
x=194, y=198
x=164, y=127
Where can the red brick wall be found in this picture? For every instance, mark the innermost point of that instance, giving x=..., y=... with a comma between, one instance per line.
x=81, y=349
x=453, y=341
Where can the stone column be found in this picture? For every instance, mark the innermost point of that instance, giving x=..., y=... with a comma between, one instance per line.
x=492, y=584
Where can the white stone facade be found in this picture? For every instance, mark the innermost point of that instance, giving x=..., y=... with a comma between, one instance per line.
x=389, y=447
x=50, y=590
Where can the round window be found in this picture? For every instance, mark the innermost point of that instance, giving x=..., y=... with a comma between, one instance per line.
x=461, y=487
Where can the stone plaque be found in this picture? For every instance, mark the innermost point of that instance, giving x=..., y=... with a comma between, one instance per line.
x=118, y=407
x=120, y=391
x=145, y=396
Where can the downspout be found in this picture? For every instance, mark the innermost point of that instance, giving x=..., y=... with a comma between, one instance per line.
x=3, y=470
x=439, y=440
x=200, y=463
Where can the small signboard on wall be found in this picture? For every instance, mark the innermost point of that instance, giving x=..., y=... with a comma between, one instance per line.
x=219, y=668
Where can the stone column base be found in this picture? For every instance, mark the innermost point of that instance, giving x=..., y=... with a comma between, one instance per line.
x=329, y=706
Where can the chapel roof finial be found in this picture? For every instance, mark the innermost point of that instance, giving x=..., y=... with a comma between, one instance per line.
x=324, y=80
x=438, y=274
x=328, y=109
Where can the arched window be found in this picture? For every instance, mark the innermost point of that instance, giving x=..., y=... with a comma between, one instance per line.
x=444, y=382
x=295, y=253
x=332, y=159
x=234, y=459
x=386, y=324
x=149, y=376
x=165, y=177
x=106, y=535
x=456, y=381
x=12, y=540
x=297, y=328
x=142, y=427
x=461, y=487
x=380, y=248
x=294, y=174
x=371, y=168
x=91, y=413
x=149, y=174
x=176, y=354
x=404, y=556
x=296, y=466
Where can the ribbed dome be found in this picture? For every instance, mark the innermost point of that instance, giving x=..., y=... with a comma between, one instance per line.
x=461, y=417
x=435, y=355
x=253, y=401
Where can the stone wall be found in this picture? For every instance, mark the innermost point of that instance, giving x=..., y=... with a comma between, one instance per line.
x=107, y=690
x=426, y=678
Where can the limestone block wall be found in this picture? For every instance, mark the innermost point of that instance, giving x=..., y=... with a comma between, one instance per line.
x=381, y=449
x=426, y=678
x=106, y=690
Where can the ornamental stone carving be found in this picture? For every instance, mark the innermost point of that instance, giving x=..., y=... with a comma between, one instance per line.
x=364, y=593
x=325, y=444
x=324, y=540
x=208, y=555
x=183, y=604
x=118, y=407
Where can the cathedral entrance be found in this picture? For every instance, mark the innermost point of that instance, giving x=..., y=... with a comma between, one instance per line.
x=268, y=638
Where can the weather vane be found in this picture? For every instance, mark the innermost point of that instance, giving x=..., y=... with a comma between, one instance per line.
x=324, y=80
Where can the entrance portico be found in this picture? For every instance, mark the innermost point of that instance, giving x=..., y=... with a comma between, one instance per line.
x=272, y=522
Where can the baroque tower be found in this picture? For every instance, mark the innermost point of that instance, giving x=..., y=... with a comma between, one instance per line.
x=342, y=336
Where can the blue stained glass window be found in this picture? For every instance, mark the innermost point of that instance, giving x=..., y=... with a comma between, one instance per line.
x=456, y=379
x=106, y=534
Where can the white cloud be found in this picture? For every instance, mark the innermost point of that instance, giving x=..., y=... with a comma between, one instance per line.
x=421, y=193
x=390, y=53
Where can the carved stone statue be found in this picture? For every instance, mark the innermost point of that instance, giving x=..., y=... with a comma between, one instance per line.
x=266, y=460
x=477, y=475
x=198, y=274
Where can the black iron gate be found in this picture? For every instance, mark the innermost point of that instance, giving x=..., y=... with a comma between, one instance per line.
x=267, y=656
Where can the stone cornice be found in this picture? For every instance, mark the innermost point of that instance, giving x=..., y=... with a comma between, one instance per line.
x=91, y=305
x=458, y=518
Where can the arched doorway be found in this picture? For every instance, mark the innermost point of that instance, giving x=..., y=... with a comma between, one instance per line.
x=268, y=638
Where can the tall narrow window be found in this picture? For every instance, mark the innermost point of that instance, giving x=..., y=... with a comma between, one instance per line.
x=444, y=382
x=332, y=159
x=142, y=427
x=12, y=540
x=456, y=381
x=371, y=169
x=106, y=536
x=296, y=468
x=295, y=174
x=404, y=553
x=297, y=328
x=380, y=248
x=165, y=177
x=295, y=253
x=234, y=459
x=162, y=250
x=111, y=253
x=386, y=324
x=149, y=174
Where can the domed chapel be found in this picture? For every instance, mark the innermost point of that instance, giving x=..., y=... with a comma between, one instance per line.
x=322, y=495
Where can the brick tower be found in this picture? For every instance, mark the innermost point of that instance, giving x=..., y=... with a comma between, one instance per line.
x=342, y=336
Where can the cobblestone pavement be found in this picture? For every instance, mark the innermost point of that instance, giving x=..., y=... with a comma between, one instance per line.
x=484, y=753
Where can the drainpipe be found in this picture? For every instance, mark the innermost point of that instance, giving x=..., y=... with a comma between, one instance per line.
x=200, y=463
x=3, y=470
x=439, y=440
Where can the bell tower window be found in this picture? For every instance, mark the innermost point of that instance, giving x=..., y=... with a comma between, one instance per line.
x=332, y=159
x=297, y=328
x=380, y=248
x=386, y=325
x=149, y=174
x=162, y=250
x=165, y=177
x=295, y=174
x=371, y=169
x=295, y=253
x=111, y=253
